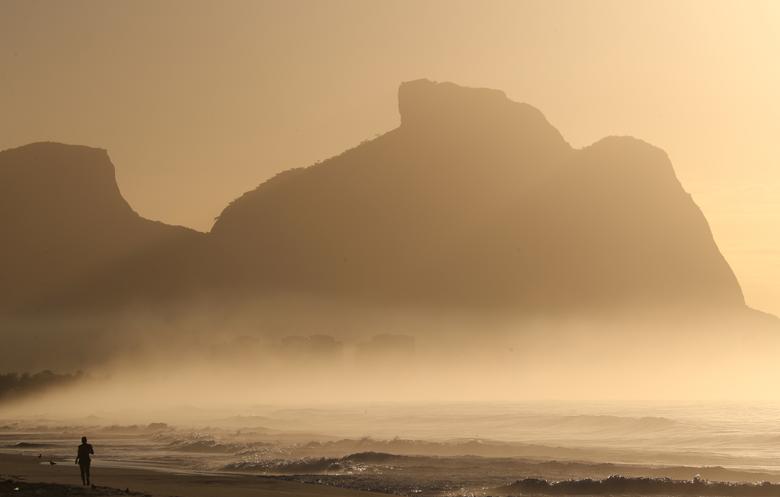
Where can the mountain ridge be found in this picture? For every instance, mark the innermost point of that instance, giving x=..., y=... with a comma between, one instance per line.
x=492, y=176
x=473, y=201
x=68, y=224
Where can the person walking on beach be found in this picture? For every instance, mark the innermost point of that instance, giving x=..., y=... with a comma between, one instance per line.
x=83, y=460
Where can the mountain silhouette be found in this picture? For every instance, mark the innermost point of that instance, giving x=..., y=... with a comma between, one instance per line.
x=473, y=201
x=478, y=200
x=69, y=236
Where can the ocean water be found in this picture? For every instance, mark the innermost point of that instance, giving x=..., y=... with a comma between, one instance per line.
x=515, y=438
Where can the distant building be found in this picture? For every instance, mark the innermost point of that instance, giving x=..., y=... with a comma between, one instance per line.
x=312, y=347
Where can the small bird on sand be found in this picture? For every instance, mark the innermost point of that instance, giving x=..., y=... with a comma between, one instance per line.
x=51, y=462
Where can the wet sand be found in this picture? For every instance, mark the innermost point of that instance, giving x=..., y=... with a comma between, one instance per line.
x=29, y=470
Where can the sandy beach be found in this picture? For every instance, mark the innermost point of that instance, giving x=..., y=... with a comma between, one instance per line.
x=29, y=470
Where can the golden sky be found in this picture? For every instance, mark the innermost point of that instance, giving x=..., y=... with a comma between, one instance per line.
x=199, y=101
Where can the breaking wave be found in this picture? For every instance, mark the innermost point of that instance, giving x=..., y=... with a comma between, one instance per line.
x=353, y=463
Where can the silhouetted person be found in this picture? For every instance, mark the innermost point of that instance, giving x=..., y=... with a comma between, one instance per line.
x=83, y=460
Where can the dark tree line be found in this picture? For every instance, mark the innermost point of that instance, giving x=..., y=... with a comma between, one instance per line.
x=14, y=385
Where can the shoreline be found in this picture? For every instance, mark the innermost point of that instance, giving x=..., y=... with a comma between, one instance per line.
x=28, y=471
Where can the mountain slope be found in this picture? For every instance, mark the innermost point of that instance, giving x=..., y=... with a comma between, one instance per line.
x=474, y=201
x=69, y=236
x=478, y=200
